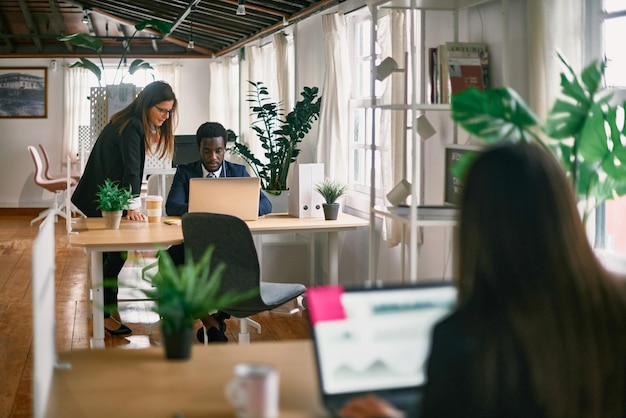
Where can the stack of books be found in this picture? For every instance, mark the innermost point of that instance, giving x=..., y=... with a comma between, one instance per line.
x=457, y=66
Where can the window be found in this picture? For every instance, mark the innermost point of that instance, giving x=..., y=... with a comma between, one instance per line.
x=360, y=148
x=607, y=34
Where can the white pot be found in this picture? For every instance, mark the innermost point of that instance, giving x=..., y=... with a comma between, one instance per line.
x=112, y=219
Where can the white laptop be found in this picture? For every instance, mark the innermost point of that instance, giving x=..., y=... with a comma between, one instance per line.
x=375, y=340
x=237, y=196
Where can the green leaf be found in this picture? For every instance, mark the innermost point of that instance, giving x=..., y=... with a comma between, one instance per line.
x=139, y=64
x=494, y=115
x=593, y=142
x=84, y=40
x=162, y=27
x=89, y=65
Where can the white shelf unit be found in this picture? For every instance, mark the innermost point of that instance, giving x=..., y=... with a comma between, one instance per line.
x=413, y=107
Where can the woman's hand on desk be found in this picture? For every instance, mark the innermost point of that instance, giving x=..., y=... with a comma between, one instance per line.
x=135, y=215
x=369, y=406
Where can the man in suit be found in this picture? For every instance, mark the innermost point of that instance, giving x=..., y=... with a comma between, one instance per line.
x=211, y=140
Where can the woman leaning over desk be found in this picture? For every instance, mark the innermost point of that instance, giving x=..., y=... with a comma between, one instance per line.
x=146, y=125
x=539, y=328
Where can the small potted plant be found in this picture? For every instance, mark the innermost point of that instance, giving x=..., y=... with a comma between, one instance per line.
x=184, y=294
x=112, y=200
x=331, y=190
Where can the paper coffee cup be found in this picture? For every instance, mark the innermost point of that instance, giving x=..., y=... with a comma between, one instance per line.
x=154, y=208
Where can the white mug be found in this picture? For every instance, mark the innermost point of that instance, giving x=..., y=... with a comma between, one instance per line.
x=253, y=392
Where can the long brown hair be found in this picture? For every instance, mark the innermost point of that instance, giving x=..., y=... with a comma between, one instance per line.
x=525, y=256
x=152, y=94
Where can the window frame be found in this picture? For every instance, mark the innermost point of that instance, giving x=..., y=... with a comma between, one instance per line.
x=594, y=48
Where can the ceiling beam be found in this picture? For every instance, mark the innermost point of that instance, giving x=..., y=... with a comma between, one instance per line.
x=183, y=16
x=287, y=21
x=59, y=21
x=3, y=31
x=31, y=24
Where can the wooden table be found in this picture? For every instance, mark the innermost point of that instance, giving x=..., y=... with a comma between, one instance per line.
x=143, y=236
x=142, y=383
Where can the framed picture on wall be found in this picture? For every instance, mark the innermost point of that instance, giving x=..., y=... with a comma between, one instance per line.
x=23, y=92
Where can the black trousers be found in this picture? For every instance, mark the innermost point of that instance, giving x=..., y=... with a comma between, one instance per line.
x=177, y=253
x=112, y=263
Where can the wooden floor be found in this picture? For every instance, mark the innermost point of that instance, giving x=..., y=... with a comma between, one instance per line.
x=73, y=322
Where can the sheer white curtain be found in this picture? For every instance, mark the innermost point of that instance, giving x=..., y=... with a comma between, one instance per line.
x=76, y=110
x=556, y=26
x=261, y=66
x=280, y=44
x=333, y=133
x=224, y=96
x=170, y=73
x=393, y=124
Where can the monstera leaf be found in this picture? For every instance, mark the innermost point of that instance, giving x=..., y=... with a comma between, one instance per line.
x=583, y=129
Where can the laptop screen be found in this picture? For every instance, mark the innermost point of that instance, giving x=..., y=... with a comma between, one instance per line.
x=236, y=196
x=377, y=338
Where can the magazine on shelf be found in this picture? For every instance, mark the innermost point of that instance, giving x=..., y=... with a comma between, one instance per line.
x=465, y=73
x=446, y=70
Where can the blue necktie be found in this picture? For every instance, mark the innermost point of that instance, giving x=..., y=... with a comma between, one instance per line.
x=211, y=175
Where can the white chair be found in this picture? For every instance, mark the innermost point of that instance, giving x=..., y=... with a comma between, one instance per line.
x=46, y=161
x=58, y=186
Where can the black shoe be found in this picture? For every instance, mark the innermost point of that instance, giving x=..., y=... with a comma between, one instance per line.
x=220, y=317
x=214, y=335
x=122, y=330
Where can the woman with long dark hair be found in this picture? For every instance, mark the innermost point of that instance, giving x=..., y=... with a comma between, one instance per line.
x=539, y=327
x=145, y=126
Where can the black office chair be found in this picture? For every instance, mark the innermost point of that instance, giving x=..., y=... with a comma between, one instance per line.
x=234, y=246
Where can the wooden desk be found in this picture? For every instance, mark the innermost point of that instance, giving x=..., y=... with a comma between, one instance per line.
x=143, y=236
x=142, y=383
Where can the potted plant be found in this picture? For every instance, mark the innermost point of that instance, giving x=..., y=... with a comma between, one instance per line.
x=94, y=43
x=583, y=130
x=184, y=294
x=279, y=136
x=331, y=190
x=112, y=200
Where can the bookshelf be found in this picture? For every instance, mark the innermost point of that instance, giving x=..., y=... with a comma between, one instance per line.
x=418, y=57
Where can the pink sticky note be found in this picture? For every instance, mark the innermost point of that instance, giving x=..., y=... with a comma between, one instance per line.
x=324, y=303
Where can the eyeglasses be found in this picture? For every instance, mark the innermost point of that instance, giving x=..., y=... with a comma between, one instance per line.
x=163, y=112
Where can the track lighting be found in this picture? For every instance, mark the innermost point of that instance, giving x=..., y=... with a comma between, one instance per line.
x=85, y=19
x=191, y=44
x=241, y=9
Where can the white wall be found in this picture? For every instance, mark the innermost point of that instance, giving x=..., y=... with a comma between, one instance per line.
x=18, y=189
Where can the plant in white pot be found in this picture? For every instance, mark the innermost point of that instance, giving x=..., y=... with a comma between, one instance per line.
x=112, y=200
x=186, y=293
x=331, y=190
x=279, y=134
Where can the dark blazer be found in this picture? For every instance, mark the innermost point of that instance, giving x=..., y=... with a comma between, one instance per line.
x=118, y=157
x=177, y=202
x=452, y=389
